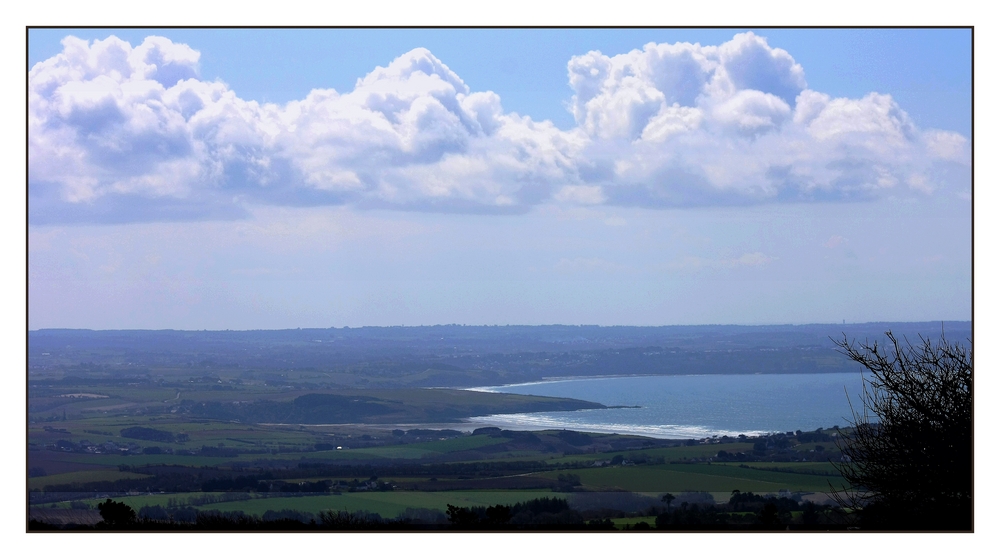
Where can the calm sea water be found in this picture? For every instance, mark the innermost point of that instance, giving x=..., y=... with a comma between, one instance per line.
x=691, y=406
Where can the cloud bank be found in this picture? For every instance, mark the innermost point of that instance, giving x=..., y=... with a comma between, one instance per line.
x=121, y=133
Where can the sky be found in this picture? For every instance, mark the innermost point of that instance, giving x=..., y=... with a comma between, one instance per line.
x=242, y=179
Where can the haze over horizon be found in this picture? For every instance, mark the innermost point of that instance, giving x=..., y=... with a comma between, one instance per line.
x=608, y=326
x=270, y=179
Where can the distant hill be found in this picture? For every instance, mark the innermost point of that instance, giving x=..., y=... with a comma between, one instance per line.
x=456, y=355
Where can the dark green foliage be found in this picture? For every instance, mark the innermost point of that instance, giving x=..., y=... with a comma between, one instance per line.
x=574, y=438
x=810, y=514
x=422, y=515
x=569, y=479
x=148, y=434
x=521, y=436
x=770, y=517
x=536, y=512
x=751, y=502
x=814, y=437
x=602, y=524
x=910, y=445
x=156, y=512
x=690, y=517
x=343, y=520
x=464, y=516
x=218, y=451
x=491, y=431
x=188, y=519
x=288, y=514
x=184, y=515
x=116, y=515
x=668, y=498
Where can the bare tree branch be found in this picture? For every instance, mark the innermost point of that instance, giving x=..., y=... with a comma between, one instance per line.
x=909, y=448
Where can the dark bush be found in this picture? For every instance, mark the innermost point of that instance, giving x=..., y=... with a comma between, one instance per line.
x=148, y=434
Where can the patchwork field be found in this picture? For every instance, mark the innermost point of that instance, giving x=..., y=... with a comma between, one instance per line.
x=677, y=478
x=236, y=446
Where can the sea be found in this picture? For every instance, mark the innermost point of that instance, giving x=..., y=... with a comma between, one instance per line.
x=691, y=406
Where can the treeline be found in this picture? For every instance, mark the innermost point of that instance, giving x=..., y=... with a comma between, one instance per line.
x=748, y=510
x=118, y=516
x=743, y=511
x=546, y=512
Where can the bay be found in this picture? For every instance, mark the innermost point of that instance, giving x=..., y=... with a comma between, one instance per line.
x=691, y=406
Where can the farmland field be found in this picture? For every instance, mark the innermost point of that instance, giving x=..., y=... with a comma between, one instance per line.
x=83, y=476
x=694, y=477
x=238, y=441
x=387, y=504
x=668, y=454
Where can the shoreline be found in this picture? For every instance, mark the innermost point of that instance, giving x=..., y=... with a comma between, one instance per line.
x=552, y=380
x=663, y=432
x=587, y=422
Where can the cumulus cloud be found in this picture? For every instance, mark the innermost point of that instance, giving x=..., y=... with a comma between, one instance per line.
x=687, y=124
x=131, y=131
x=119, y=132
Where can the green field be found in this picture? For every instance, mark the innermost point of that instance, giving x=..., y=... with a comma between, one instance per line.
x=693, y=477
x=145, y=459
x=430, y=466
x=84, y=476
x=139, y=501
x=810, y=468
x=668, y=454
x=387, y=504
x=625, y=523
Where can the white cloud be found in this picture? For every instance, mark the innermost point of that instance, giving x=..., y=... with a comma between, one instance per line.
x=752, y=112
x=584, y=195
x=750, y=64
x=120, y=133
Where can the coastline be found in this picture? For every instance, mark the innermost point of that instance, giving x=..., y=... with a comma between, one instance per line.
x=552, y=380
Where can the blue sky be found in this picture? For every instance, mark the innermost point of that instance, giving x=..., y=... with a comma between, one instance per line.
x=293, y=178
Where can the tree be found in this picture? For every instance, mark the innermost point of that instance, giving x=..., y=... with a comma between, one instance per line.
x=115, y=514
x=908, y=453
x=667, y=499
